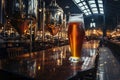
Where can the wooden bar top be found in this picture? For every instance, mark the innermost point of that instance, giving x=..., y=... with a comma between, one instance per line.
x=50, y=64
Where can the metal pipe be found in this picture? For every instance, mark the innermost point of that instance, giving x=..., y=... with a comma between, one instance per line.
x=43, y=22
x=30, y=36
x=2, y=11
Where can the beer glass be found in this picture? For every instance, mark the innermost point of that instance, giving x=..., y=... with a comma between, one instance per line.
x=76, y=35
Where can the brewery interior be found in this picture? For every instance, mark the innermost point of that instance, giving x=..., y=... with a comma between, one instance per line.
x=36, y=42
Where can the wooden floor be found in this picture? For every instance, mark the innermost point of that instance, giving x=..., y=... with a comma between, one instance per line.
x=109, y=67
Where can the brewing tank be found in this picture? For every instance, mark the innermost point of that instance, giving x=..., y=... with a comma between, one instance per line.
x=54, y=17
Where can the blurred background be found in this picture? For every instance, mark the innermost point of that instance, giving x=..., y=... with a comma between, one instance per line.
x=46, y=20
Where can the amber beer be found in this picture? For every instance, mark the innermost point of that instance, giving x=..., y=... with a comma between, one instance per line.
x=76, y=35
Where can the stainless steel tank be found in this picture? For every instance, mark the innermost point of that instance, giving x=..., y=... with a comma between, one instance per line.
x=54, y=18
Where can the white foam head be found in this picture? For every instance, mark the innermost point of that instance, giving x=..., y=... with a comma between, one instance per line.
x=75, y=59
x=76, y=18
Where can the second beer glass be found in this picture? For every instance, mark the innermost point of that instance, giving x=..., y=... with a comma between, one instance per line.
x=76, y=35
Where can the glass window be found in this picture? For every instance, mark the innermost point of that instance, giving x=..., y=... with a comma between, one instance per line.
x=93, y=5
x=92, y=2
x=86, y=6
x=81, y=0
x=80, y=4
x=101, y=9
x=95, y=11
x=77, y=1
x=89, y=12
x=100, y=5
x=92, y=24
x=85, y=11
x=100, y=1
x=82, y=7
x=102, y=12
x=84, y=3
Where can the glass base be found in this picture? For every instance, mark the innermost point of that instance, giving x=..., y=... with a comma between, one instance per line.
x=75, y=59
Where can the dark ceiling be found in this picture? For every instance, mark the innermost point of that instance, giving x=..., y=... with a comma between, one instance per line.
x=111, y=11
x=64, y=4
x=110, y=19
x=112, y=7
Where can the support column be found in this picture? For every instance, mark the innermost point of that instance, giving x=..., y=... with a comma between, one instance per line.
x=104, y=26
x=43, y=22
x=2, y=11
x=104, y=20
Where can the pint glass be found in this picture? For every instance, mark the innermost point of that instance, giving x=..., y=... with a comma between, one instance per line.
x=76, y=35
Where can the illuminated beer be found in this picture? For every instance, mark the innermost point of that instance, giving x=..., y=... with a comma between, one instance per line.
x=76, y=35
x=53, y=29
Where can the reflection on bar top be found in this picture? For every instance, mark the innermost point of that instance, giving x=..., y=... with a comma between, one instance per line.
x=46, y=64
